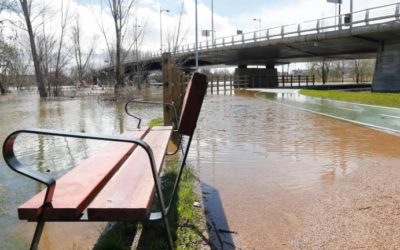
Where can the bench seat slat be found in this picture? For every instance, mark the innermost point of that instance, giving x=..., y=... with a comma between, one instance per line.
x=128, y=195
x=76, y=189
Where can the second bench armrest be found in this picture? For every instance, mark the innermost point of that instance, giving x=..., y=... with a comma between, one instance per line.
x=170, y=105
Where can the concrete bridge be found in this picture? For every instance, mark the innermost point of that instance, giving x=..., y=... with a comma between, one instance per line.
x=370, y=33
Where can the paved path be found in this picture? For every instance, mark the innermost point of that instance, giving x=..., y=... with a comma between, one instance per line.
x=378, y=117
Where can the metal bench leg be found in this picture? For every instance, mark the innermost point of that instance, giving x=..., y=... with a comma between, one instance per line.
x=168, y=229
x=37, y=235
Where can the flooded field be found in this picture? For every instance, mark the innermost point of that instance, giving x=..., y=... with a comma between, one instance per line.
x=273, y=177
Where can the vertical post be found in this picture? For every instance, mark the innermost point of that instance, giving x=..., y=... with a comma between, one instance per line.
x=230, y=83
x=313, y=80
x=173, y=88
x=211, y=81
x=397, y=13
x=167, y=87
x=197, y=38
x=298, y=30
x=212, y=86
x=367, y=17
x=291, y=80
x=283, y=79
x=299, y=80
x=212, y=23
x=224, y=84
x=218, y=85
x=306, y=80
x=267, y=34
x=318, y=24
x=351, y=14
x=283, y=31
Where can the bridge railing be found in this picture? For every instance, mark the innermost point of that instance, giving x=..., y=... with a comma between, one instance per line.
x=381, y=14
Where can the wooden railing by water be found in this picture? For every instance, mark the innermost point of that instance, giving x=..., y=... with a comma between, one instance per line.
x=223, y=84
x=289, y=81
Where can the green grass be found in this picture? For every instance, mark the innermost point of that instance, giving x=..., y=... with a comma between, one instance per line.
x=156, y=122
x=380, y=99
x=185, y=219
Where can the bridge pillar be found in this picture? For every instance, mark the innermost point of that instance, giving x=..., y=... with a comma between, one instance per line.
x=260, y=77
x=387, y=73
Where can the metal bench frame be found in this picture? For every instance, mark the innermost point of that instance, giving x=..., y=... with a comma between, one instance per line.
x=50, y=182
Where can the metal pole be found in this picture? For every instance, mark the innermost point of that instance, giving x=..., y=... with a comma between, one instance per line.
x=212, y=23
x=161, y=41
x=197, y=49
x=351, y=14
x=160, y=31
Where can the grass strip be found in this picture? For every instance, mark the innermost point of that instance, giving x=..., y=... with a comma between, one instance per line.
x=372, y=98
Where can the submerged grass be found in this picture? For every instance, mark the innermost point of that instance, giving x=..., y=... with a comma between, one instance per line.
x=187, y=223
x=380, y=99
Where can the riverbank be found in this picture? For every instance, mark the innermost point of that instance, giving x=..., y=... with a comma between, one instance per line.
x=371, y=98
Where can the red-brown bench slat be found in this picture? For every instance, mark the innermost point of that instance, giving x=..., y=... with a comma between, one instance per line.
x=128, y=195
x=76, y=189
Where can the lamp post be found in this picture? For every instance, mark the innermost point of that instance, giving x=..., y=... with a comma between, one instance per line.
x=161, y=41
x=351, y=13
x=212, y=23
x=197, y=38
x=259, y=23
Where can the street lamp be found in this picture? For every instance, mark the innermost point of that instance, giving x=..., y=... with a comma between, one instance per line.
x=259, y=23
x=161, y=41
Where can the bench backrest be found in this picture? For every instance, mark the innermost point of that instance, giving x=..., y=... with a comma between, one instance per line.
x=192, y=102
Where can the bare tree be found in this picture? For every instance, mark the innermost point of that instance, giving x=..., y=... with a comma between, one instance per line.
x=81, y=59
x=363, y=69
x=26, y=8
x=60, y=59
x=121, y=12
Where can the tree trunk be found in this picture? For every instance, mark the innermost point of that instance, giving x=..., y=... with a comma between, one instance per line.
x=2, y=89
x=35, y=57
x=119, y=74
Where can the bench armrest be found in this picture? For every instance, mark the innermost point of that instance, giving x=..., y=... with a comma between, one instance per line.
x=171, y=105
x=50, y=182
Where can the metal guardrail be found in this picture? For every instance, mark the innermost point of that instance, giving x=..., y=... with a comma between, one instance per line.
x=381, y=14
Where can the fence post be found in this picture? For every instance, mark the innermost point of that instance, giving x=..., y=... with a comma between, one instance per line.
x=224, y=84
x=231, y=82
x=397, y=13
x=283, y=31
x=212, y=86
x=306, y=80
x=299, y=30
x=318, y=24
x=172, y=88
x=291, y=80
x=367, y=17
x=218, y=85
x=299, y=80
x=313, y=80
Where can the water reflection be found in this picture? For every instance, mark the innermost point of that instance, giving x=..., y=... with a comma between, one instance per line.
x=265, y=158
x=42, y=153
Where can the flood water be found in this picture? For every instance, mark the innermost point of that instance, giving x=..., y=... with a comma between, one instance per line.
x=259, y=162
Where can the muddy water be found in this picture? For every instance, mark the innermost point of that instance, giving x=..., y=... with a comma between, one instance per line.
x=91, y=115
x=263, y=165
x=265, y=168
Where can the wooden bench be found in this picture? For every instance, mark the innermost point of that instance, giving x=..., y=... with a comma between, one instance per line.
x=117, y=183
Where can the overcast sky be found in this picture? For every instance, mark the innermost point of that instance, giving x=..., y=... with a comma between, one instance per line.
x=229, y=16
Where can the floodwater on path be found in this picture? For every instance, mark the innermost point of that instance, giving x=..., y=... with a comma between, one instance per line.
x=265, y=166
x=271, y=174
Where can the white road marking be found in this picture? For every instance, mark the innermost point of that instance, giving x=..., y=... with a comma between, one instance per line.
x=391, y=116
